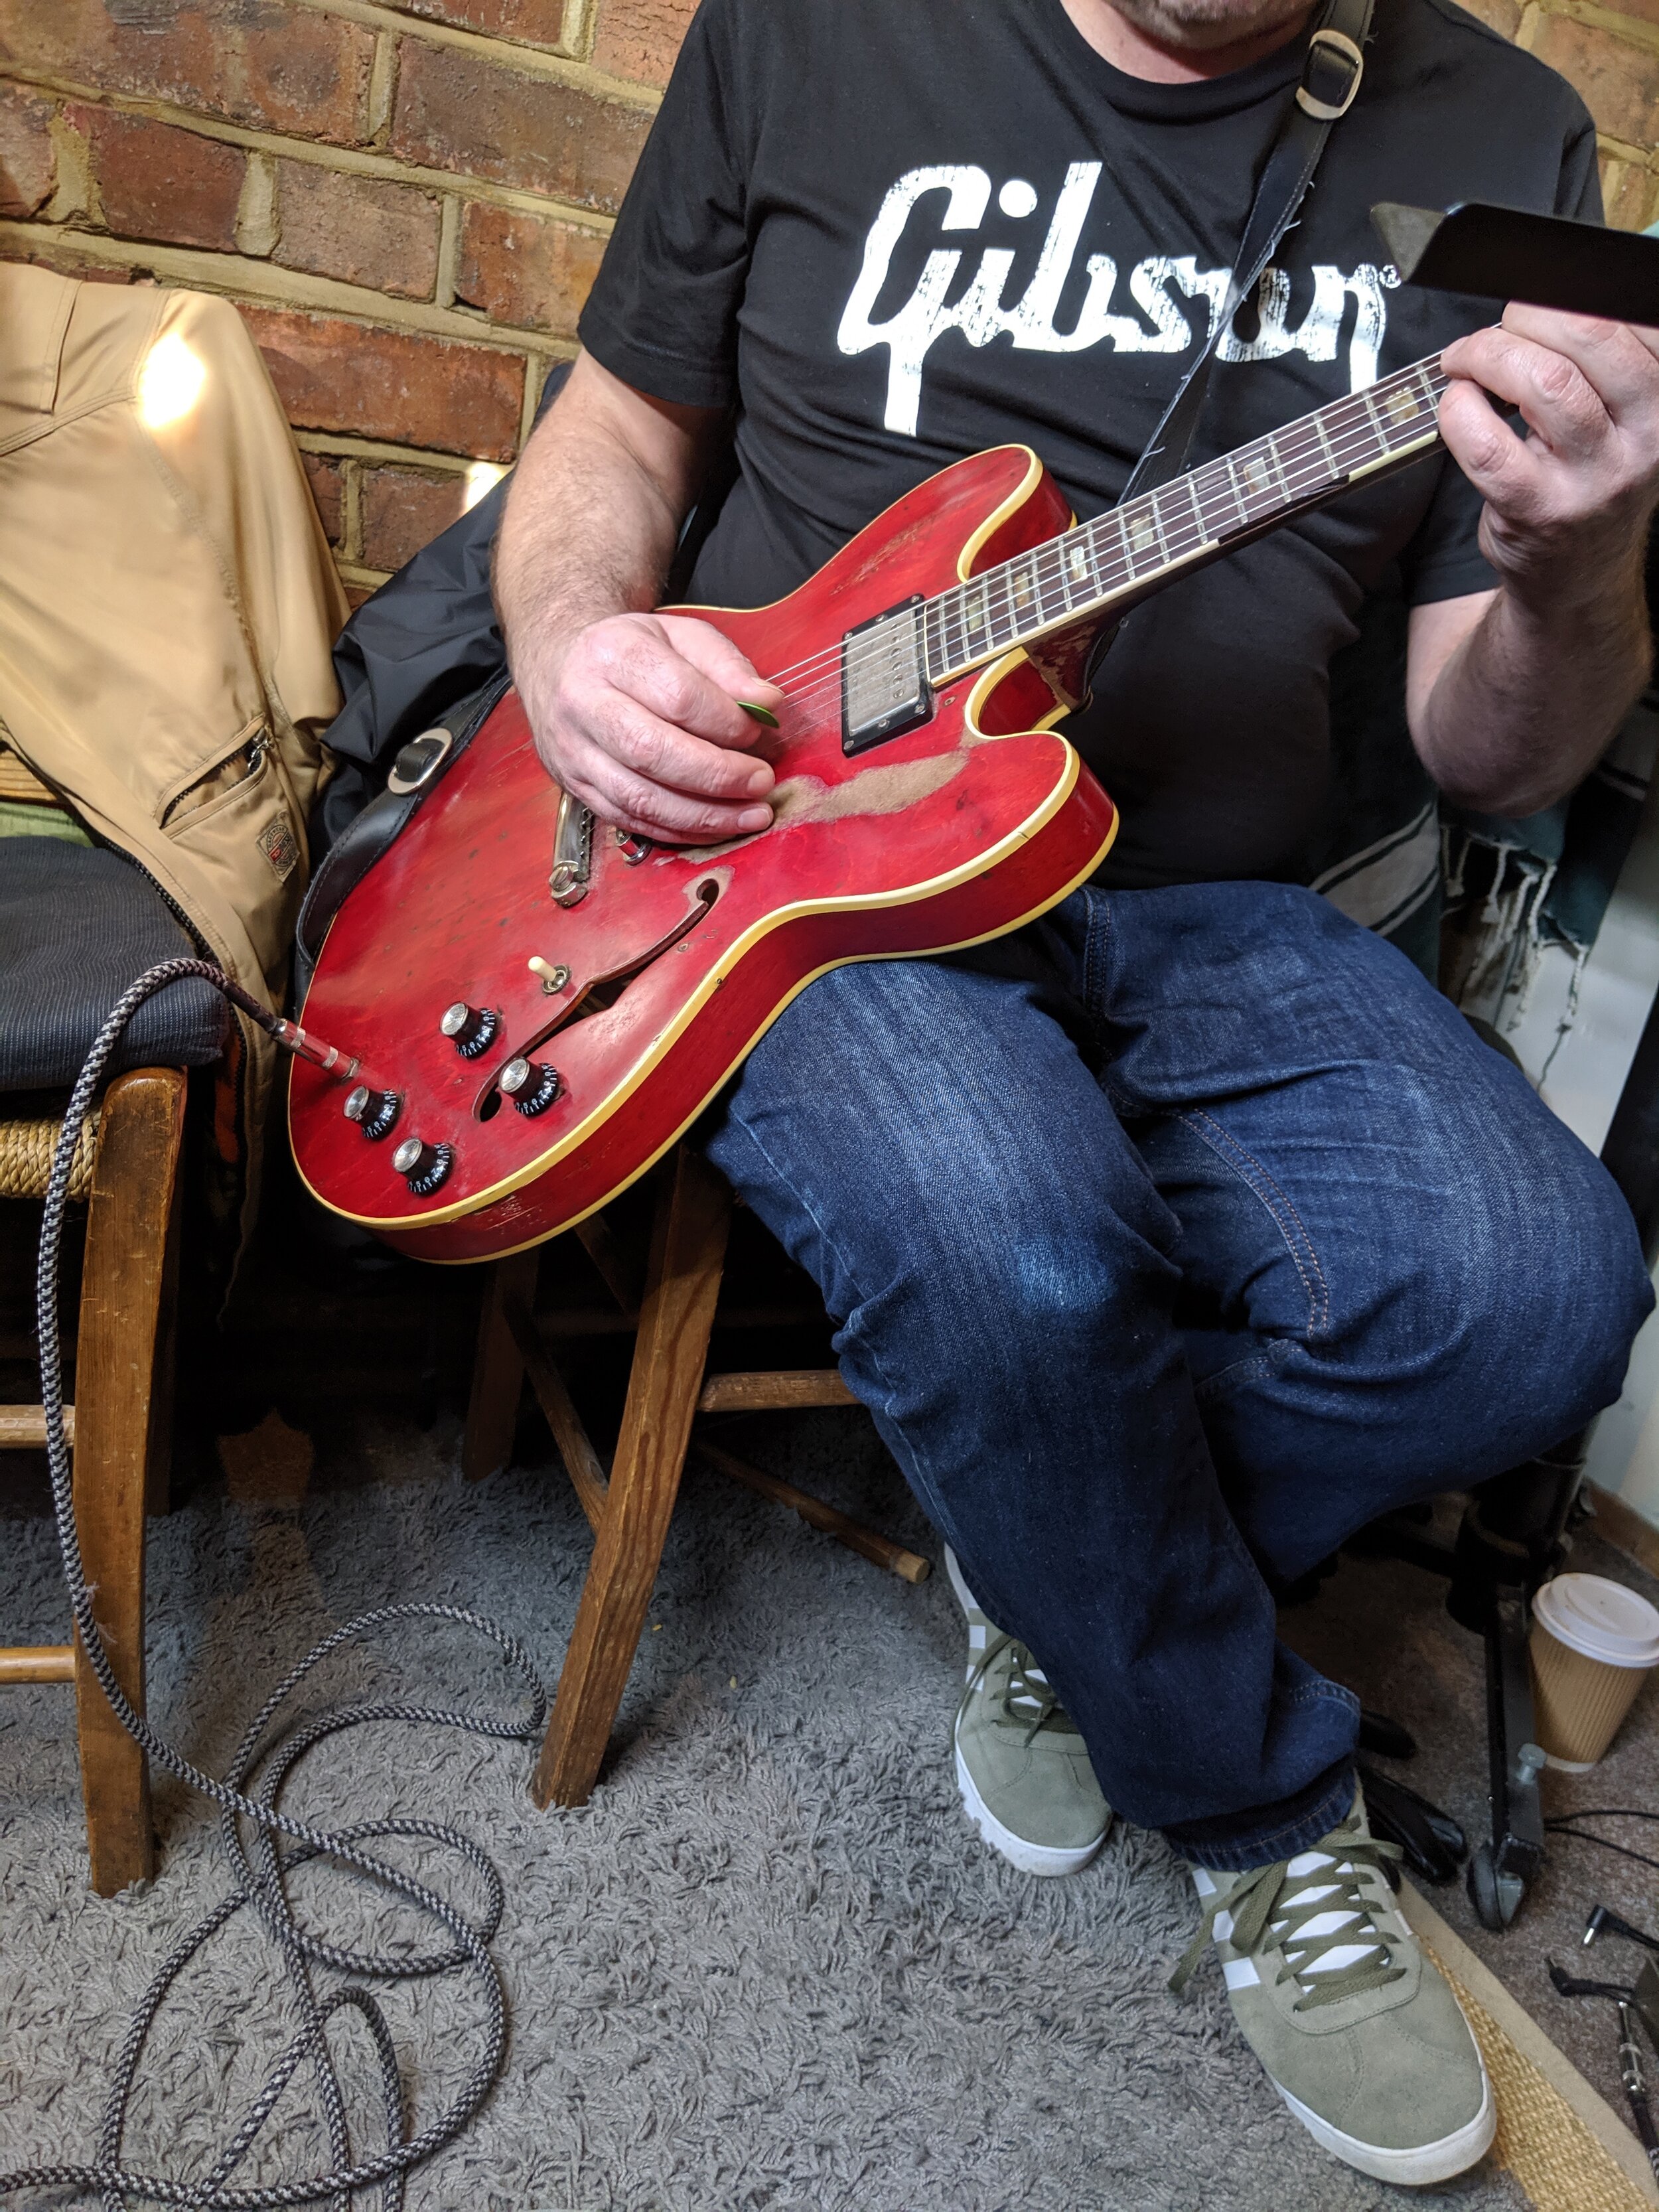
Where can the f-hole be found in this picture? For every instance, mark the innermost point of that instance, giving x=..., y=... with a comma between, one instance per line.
x=601, y=995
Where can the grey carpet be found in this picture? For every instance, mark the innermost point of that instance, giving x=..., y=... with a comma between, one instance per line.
x=769, y=1967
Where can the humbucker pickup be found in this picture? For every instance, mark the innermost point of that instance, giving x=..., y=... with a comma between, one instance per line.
x=884, y=678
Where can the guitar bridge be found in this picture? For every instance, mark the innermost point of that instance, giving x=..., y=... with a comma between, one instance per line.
x=885, y=690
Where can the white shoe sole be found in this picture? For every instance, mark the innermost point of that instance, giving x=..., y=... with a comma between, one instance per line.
x=1045, y=1859
x=1415, y=2168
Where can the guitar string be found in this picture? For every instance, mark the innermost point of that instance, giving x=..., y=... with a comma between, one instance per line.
x=1115, y=565
x=1300, y=468
x=1287, y=453
x=1362, y=406
x=1112, y=566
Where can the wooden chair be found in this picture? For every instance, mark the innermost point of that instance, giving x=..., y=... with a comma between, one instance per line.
x=126, y=1167
x=671, y=1309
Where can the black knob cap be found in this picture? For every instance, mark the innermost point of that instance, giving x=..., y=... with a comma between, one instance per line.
x=532, y=1085
x=424, y=1166
x=373, y=1111
x=470, y=1028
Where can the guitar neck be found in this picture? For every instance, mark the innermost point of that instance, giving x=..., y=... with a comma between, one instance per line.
x=1102, y=567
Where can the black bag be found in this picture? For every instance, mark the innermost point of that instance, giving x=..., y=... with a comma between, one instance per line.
x=423, y=643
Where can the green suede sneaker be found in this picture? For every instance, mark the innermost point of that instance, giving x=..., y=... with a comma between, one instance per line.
x=1021, y=1766
x=1359, y=2034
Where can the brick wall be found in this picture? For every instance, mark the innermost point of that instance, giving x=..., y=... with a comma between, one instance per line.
x=408, y=199
x=407, y=202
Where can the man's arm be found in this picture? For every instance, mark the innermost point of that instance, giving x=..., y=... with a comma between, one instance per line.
x=635, y=712
x=1513, y=694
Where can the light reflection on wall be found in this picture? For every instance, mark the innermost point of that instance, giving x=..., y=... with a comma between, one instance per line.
x=481, y=477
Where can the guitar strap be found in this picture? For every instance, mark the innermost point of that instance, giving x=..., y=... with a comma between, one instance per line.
x=415, y=773
x=1330, y=79
x=1331, y=72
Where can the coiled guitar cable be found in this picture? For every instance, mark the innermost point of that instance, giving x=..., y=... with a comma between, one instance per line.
x=248, y=1797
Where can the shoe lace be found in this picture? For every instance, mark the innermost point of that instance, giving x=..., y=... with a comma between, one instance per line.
x=1314, y=1910
x=1028, y=1695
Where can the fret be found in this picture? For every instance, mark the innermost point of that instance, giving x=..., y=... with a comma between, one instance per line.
x=1002, y=618
x=1054, y=583
x=975, y=617
x=1143, y=542
x=959, y=614
x=932, y=644
x=1402, y=408
x=1302, y=470
x=1195, y=520
x=1275, y=461
x=1377, y=431
x=1124, y=541
x=950, y=654
x=1251, y=464
x=1026, y=594
x=1076, y=569
x=1211, y=482
x=1232, y=487
x=1333, y=470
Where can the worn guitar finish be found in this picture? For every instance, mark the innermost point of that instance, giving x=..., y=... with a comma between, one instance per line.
x=922, y=803
x=958, y=829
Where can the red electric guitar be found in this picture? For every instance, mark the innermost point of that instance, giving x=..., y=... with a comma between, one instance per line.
x=529, y=1007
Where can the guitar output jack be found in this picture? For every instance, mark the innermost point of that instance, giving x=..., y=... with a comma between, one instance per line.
x=532, y=1086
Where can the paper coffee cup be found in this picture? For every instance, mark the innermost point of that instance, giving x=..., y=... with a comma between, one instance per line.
x=1593, y=1644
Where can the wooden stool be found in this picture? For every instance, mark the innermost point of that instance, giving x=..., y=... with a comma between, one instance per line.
x=118, y=1426
x=673, y=1312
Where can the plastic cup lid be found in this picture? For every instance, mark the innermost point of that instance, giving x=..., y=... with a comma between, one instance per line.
x=1599, y=1619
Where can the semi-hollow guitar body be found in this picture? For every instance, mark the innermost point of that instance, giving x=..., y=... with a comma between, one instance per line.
x=530, y=1008
x=669, y=964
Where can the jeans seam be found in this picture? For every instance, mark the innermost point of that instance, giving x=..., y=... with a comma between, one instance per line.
x=1093, y=953
x=1250, y=1369
x=1228, y=1149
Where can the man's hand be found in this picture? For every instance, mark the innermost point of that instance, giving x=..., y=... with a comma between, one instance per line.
x=1568, y=505
x=638, y=716
x=636, y=713
x=1513, y=694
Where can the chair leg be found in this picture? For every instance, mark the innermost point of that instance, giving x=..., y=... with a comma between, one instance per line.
x=492, y=1410
x=123, y=1283
x=683, y=1281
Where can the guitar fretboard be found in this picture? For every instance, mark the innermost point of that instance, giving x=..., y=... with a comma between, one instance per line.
x=1152, y=540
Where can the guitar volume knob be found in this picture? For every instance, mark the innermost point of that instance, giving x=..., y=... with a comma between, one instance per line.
x=470, y=1028
x=373, y=1111
x=424, y=1166
x=532, y=1086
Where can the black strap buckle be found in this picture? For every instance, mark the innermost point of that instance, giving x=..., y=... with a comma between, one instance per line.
x=1330, y=76
x=418, y=761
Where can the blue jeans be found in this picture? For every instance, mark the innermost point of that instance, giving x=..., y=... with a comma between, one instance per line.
x=1163, y=1277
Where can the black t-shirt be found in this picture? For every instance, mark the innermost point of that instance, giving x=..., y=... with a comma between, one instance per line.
x=894, y=232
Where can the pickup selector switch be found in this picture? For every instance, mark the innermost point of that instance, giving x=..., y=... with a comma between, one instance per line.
x=424, y=1166
x=532, y=1085
x=470, y=1029
x=373, y=1111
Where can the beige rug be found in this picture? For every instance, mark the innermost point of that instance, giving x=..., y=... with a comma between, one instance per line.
x=1564, y=2144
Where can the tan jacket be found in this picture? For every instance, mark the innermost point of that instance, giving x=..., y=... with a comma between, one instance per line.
x=168, y=604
